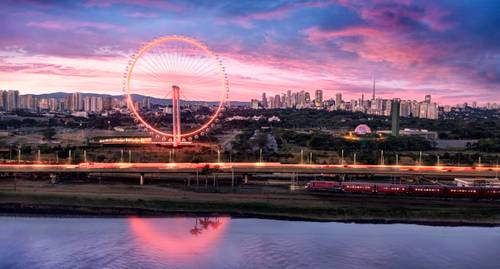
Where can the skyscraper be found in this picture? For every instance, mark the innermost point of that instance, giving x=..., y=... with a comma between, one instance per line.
x=264, y=100
x=76, y=103
x=318, y=98
x=10, y=100
x=395, y=113
x=338, y=100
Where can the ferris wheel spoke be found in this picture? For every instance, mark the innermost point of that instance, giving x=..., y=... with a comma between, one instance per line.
x=203, y=79
x=205, y=69
x=190, y=62
x=201, y=65
x=160, y=60
x=170, y=61
x=149, y=63
x=163, y=57
x=152, y=60
x=150, y=72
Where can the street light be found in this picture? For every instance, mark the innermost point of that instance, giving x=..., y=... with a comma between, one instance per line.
x=382, y=157
x=301, y=156
x=354, y=159
x=342, y=158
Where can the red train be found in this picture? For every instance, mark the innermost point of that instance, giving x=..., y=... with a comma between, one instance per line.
x=402, y=189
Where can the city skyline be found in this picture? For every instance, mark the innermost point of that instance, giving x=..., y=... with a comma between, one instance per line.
x=409, y=47
x=373, y=106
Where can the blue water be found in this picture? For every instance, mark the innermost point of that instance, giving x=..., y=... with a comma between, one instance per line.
x=239, y=243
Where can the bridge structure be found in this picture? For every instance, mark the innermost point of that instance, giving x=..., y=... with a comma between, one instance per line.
x=253, y=168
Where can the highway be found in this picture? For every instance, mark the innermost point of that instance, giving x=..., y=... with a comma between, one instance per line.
x=255, y=168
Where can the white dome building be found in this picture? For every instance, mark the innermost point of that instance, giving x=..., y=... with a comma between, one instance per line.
x=362, y=129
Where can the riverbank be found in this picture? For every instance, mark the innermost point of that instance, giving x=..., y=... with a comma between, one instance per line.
x=126, y=200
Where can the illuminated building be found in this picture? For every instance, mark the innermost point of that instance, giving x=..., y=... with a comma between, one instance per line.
x=318, y=98
x=362, y=129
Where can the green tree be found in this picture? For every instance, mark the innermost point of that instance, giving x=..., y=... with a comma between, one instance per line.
x=49, y=133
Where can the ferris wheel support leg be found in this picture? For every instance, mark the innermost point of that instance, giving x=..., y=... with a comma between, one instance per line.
x=176, y=116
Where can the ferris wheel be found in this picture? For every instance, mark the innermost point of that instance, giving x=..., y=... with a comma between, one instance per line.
x=175, y=88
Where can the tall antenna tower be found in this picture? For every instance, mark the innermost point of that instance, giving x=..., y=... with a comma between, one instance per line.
x=373, y=97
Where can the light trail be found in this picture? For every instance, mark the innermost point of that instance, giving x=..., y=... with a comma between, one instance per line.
x=253, y=166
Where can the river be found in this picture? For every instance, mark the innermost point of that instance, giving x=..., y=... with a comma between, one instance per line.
x=185, y=242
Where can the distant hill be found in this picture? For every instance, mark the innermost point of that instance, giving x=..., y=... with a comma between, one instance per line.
x=139, y=98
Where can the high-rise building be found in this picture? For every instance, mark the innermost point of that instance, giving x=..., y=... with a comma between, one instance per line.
x=427, y=99
x=76, y=103
x=395, y=114
x=277, y=101
x=307, y=99
x=433, y=111
x=318, y=98
x=338, y=100
x=270, y=102
x=424, y=110
x=93, y=103
x=146, y=103
x=10, y=100
x=254, y=104
x=289, y=102
x=28, y=102
x=264, y=100
x=107, y=103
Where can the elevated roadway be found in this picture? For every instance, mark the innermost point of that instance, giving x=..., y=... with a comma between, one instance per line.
x=255, y=168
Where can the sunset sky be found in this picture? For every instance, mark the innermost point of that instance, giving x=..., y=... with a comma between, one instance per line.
x=450, y=48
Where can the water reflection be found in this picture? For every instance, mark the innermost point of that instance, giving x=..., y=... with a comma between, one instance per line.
x=178, y=237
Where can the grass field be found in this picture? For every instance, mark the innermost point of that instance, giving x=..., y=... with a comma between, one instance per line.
x=153, y=200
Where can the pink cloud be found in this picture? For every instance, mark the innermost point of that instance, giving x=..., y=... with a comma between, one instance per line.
x=314, y=34
x=142, y=15
x=378, y=45
x=273, y=14
x=74, y=25
x=165, y=5
x=49, y=69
